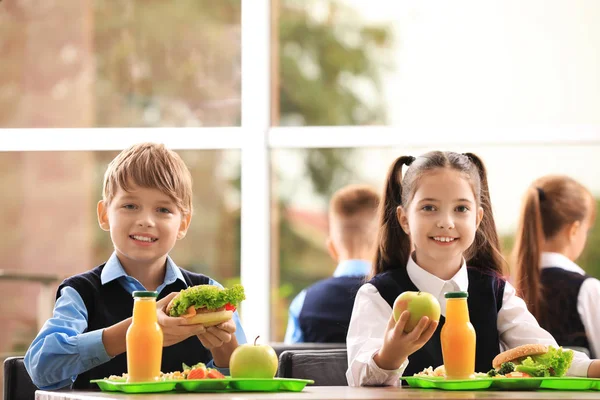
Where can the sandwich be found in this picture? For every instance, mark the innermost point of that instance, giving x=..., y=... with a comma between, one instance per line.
x=535, y=360
x=206, y=304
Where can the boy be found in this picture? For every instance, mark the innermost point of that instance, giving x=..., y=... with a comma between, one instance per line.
x=146, y=207
x=321, y=313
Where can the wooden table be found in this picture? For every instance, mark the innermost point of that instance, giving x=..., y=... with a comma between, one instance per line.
x=325, y=393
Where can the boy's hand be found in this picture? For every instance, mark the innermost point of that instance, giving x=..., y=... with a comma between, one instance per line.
x=398, y=345
x=218, y=335
x=175, y=329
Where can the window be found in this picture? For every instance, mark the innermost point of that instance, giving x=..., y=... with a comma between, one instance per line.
x=274, y=87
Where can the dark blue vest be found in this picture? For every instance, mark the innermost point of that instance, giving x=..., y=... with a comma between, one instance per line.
x=559, y=314
x=327, y=308
x=484, y=302
x=111, y=303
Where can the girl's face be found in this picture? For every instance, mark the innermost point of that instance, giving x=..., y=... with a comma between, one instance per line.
x=441, y=220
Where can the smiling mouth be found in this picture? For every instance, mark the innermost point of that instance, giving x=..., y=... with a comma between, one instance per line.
x=443, y=239
x=143, y=238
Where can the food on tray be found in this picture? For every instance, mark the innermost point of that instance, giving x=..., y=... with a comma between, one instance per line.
x=535, y=360
x=206, y=304
x=429, y=371
x=117, y=378
x=531, y=360
x=419, y=304
x=253, y=361
x=199, y=371
x=196, y=371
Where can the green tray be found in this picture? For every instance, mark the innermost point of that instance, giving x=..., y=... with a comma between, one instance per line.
x=141, y=387
x=563, y=383
x=206, y=385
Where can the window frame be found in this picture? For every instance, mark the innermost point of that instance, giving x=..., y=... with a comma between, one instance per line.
x=255, y=138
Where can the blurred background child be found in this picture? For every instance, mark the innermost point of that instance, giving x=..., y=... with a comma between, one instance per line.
x=555, y=218
x=321, y=312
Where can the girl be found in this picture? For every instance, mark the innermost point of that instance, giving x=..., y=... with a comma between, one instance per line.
x=556, y=216
x=442, y=210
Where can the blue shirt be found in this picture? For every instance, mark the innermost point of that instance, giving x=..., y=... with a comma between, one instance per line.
x=62, y=350
x=293, y=333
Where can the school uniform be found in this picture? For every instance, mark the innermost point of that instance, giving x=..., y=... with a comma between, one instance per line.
x=68, y=350
x=571, y=303
x=321, y=312
x=515, y=325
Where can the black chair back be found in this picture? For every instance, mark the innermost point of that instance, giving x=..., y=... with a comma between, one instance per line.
x=17, y=383
x=281, y=347
x=325, y=367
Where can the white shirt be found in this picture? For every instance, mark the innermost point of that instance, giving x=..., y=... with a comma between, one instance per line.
x=371, y=313
x=587, y=300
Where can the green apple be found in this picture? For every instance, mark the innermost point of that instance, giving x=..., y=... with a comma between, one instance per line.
x=253, y=361
x=419, y=304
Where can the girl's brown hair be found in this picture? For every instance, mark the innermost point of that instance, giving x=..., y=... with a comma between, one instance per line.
x=394, y=244
x=550, y=203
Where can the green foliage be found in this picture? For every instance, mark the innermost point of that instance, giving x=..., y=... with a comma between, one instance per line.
x=322, y=62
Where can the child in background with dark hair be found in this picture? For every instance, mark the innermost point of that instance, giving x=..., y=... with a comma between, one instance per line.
x=321, y=312
x=556, y=216
x=442, y=209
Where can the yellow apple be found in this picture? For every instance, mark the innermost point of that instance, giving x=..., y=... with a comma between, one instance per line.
x=253, y=361
x=419, y=304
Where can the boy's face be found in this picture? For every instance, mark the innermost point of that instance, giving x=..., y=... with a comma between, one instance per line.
x=144, y=225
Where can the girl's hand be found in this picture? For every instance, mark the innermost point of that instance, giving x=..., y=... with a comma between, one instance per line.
x=175, y=329
x=398, y=345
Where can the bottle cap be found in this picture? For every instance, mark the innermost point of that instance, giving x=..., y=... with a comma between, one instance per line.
x=144, y=293
x=456, y=295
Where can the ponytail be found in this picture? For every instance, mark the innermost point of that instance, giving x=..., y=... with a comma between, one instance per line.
x=485, y=253
x=393, y=243
x=527, y=252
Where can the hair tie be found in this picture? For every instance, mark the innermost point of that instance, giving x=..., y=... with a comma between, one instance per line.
x=410, y=160
x=541, y=194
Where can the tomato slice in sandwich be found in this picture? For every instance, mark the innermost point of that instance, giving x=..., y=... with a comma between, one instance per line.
x=229, y=307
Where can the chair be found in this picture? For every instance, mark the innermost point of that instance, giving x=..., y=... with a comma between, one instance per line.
x=281, y=347
x=17, y=383
x=325, y=367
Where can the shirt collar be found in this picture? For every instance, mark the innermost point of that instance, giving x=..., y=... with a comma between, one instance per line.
x=558, y=260
x=427, y=282
x=352, y=268
x=114, y=270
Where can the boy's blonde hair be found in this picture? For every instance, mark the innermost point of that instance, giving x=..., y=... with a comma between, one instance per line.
x=353, y=216
x=150, y=165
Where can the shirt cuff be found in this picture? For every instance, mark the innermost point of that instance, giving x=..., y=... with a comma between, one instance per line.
x=224, y=371
x=387, y=377
x=91, y=349
x=579, y=367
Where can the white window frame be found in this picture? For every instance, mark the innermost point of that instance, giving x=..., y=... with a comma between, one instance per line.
x=255, y=138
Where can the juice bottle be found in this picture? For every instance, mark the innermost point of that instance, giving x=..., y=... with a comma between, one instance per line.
x=144, y=340
x=458, y=338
